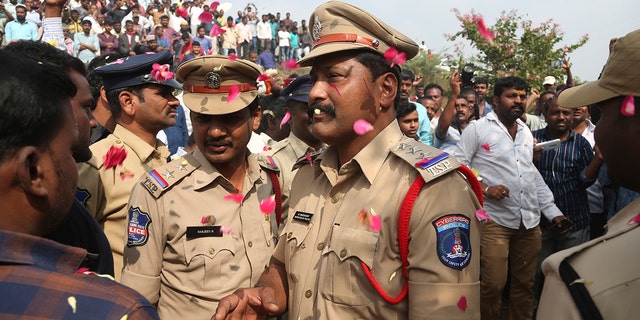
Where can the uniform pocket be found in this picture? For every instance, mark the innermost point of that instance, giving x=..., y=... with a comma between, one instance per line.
x=207, y=258
x=343, y=281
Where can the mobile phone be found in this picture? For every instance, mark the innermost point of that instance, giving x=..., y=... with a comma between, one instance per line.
x=557, y=229
x=549, y=145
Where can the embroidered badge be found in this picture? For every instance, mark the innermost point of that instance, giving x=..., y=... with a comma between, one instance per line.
x=454, y=245
x=317, y=28
x=138, y=229
x=212, y=80
x=83, y=196
x=158, y=177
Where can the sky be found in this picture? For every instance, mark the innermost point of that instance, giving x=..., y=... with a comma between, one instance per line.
x=429, y=20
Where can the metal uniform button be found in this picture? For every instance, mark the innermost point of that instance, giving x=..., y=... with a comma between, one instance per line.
x=308, y=294
x=343, y=253
x=335, y=199
x=212, y=250
x=289, y=235
x=250, y=244
x=320, y=246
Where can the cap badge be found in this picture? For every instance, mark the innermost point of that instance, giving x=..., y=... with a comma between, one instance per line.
x=212, y=80
x=317, y=28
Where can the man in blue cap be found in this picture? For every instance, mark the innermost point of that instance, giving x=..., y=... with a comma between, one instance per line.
x=300, y=143
x=140, y=94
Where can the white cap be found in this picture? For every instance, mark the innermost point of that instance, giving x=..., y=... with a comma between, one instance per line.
x=549, y=80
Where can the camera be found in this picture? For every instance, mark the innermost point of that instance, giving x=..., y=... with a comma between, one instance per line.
x=557, y=63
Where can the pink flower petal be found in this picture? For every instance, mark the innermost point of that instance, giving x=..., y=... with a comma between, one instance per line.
x=361, y=127
x=390, y=54
x=635, y=220
x=233, y=57
x=482, y=215
x=237, y=197
x=285, y=119
x=214, y=6
x=462, y=303
x=375, y=223
x=332, y=85
x=290, y=64
x=266, y=148
x=263, y=77
x=268, y=205
x=628, y=108
x=484, y=32
x=486, y=147
x=400, y=59
x=308, y=157
x=82, y=270
x=216, y=31
x=225, y=229
x=234, y=92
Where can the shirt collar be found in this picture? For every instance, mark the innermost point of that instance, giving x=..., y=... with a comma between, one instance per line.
x=207, y=173
x=142, y=149
x=26, y=249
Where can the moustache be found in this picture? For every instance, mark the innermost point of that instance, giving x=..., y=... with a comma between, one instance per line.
x=218, y=143
x=326, y=108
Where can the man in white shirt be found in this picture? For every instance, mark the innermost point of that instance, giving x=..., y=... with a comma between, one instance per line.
x=264, y=33
x=500, y=147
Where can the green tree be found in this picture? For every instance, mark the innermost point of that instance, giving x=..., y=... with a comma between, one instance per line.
x=518, y=49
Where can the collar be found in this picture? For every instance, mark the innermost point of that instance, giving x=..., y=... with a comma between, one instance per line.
x=142, y=149
x=300, y=148
x=26, y=249
x=492, y=116
x=370, y=159
x=207, y=173
x=545, y=133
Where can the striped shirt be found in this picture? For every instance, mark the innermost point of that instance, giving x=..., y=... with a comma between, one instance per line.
x=563, y=170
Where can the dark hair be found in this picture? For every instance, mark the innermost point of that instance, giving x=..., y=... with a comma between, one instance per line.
x=548, y=102
x=86, y=21
x=431, y=86
x=378, y=66
x=404, y=108
x=476, y=109
x=95, y=81
x=507, y=83
x=407, y=75
x=273, y=103
x=164, y=16
x=113, y=97
x=31, y=96
x=195, y=43
x=45, y=52
x=480, y=80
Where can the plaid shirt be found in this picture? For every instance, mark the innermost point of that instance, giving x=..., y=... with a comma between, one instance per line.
x=563, y=170
x=38, y=280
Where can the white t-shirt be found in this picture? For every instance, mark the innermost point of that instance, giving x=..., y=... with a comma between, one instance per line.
x=283, y=37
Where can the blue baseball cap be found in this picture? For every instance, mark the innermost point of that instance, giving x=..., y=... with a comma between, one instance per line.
x=298, y=89
x=136, y=70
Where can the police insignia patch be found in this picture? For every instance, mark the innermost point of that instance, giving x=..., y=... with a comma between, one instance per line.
x=138, y=229
x=454, y=247
x=82, y=196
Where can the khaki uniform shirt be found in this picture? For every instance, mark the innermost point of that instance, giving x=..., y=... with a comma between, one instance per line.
x=285, y=153
x=609, y=267
x=324, y=243
x=105, y=192
x=187, y=276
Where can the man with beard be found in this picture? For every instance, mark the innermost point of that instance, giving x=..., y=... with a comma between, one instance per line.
x=210, y=206
x=568, y=171
x=454, y=118
x=20, y=29
x=142, y=103
x=338, y=256
x=128, y=40
x=424, y=130
x=481, y=87
x=86, y=45
x=108, y=41
x=500, y=147
x=599, y=279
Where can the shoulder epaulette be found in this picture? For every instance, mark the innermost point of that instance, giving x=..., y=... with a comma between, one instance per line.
x=162, y=178
x=267, y=162
x=429, y=161
x=273, y=149
x=307, y=159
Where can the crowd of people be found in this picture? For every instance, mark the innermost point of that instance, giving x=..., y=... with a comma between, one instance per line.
x=188, y=29
x=148, y=173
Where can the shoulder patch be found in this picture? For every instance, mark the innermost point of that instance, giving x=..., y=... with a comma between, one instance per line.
x=138, y=228
x=162, y=178
x=273, y=149
x=453, y=242
x=82, y=195
x=429, y=161
x=267, y=162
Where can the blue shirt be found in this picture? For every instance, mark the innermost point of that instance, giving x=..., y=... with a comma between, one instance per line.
x=267, y=60
x=563, y=170
x=178, y=135
x=205, y=44
x=15, y=30
x=424, y=130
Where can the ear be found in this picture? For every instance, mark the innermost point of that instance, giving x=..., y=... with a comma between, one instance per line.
x=128, y=102
x=29, y=171
x=389, y=89
x=255, y=118
x=495, y=100
x=103, y=95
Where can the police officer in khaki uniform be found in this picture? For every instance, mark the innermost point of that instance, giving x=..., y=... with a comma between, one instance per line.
x=197, y=226
x=142, y=103
x=300, y=144
x=338, y=256
x=599, y=279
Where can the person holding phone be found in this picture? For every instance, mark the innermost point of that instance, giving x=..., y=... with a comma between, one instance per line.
x=568, y=170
